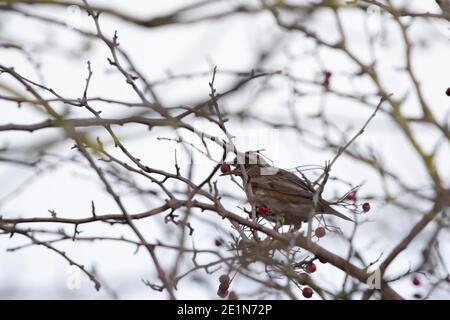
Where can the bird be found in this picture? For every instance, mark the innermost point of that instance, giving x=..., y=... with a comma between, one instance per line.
x=280, y=196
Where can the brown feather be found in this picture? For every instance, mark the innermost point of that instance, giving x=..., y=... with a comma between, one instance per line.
x=287, y=196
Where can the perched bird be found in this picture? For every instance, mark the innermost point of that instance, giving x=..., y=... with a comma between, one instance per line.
x=281, y=196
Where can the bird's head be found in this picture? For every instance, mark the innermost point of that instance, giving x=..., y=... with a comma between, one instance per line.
x=251, y=162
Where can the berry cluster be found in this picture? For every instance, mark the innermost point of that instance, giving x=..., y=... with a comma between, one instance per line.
x=309, y=267
x=351, y=196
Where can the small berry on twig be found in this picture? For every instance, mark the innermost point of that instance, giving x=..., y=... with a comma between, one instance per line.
x=311, y=267
x=224, y=279
x=416, y=280
x=366, y=207
x=263, y=210
x=320, y=232
x=351, y=196
x=307, y=292
x=225, y=167
x=222, y=293
x=232, y=296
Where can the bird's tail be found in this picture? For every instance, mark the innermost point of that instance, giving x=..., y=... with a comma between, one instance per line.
x=329, y=210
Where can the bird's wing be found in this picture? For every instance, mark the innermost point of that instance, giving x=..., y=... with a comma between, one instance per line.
x=280, y=183
x=296, y=180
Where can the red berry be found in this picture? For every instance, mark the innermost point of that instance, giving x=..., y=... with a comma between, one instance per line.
x=320, y=232
x=447, y=92
x=263, y=210
x=307, y=292
x=366, y=207
x=224, y=279
x=222, y=293
x=225, y=167
x=416, y=280
x=224, y=286
x=232, y=296
x=351, y=196
x=311, y=267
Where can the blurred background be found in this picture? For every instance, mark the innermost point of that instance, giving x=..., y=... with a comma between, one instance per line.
x=288, y=110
